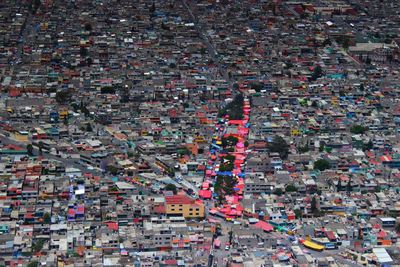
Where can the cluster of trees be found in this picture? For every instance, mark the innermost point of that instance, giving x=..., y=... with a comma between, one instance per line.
x=291, y=188
x=30, y=149
x=317, y=73
x=314, y=208
x=227, y=163
x=279, y=145
x=38, y=245
x=34, y=5
x=112, y=169
x=340, y=187
x=83, y=52
x=224, y=186
x=358, y=129
x=344, y=41
x=303, y=148
x=229, y=141
x=368, y=146
x=33, y=264
x=278, y=192
x=82, y=107
x=184, y=151
x=288, y=188
x=171, y=187
x=107, y=90
x=88, y=27
x=322, y=164
x=63, y=96
x=257, y=86
x=233, y=109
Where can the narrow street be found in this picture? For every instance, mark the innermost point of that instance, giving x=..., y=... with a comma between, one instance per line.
x=210, y=47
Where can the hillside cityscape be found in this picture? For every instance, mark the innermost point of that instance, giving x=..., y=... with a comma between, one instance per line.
x=190, y=133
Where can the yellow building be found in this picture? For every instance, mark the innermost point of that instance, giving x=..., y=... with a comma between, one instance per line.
x=21, y=136
x=295, y=132
x=63, y=114
x=200, y=139
x=184, y=206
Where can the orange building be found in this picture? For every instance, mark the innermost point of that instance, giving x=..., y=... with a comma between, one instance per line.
x=184, y=206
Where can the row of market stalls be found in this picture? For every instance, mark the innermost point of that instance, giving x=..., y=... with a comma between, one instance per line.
x=224, y=128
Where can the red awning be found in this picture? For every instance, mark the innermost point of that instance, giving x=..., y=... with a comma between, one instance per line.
x=264, y=225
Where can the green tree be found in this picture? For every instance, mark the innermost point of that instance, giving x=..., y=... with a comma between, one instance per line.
x=291, y=188
x=229, y=184
x=358, y=129
x=83, y=52
x=349, y=187
x=398, y=228
x=85, y=111
x=114, y=188
x=29, y=149
x=34, y=6
x=41, y=145
x=33, y=264
x=298, y=213
x=278, y=192
x=257, y=86
x=152, y=8
x=184, y=151
x=38, y=245
x=321, y=165
x=88, y=27
x=233, y=109
x=66, y=120
x=317, y=73
x=313, y=204
x=171, y=187
x=303, y=149
x=339, y=185
x=224, y=185
x=107, y=90
x=112, y=169
x=229, y=141
x=368, y=146
x=226, y=167
x=63, y=96
x=321, y=147
x=280, y=146
x=46, y=218
x=346, y=43
x=89, y=128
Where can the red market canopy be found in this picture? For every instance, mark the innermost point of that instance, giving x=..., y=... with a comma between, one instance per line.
x=264, y=226
x=206, y=194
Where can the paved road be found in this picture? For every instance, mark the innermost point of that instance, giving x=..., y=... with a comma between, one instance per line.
x=210, y=47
